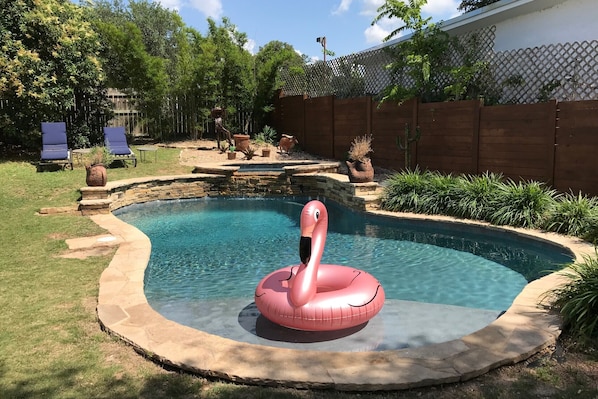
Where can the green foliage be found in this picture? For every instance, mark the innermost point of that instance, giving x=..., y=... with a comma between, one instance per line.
x=577, y=299
x=249, y=152
x=405, y=191
x=489, y=198
x=266, y=136
x=269, y=60
x=100, y=155
x=574, y=215
x=521, y=204
x=49, y=69
x=547, y=89
x=421, y=58
x=475, y=195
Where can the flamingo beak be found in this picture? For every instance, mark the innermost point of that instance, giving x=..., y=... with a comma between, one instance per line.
x=305, y=249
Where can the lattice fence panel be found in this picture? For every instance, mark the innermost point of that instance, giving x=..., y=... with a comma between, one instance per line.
x=565, y=72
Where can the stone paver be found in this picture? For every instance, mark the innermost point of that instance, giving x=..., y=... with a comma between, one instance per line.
x=526, y=328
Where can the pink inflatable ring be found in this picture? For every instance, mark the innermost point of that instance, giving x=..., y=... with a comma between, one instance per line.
x=315, y=297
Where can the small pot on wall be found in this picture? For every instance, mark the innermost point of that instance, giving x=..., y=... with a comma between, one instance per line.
x=360, y=171
x=96, y=175
x=265, y=152
x=241, y=141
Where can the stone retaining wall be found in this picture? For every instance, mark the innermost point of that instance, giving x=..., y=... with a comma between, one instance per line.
x=334, y=186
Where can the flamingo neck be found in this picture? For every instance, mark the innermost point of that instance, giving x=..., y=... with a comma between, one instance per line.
x=304, y=284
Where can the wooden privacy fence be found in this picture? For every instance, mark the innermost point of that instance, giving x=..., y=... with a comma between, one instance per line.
x=552, y=142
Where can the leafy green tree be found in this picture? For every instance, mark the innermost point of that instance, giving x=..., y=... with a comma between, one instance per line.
x=269, y=61
x=143, y=43
x=49, y=71
x=234, y=70
x=471, y=5
x=417, y=62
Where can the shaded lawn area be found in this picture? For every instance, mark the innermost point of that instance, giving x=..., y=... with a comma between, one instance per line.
x=51, y=344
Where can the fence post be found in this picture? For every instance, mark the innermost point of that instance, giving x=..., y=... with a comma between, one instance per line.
x=475, y=140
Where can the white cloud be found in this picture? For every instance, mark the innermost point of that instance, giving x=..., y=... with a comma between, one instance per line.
x=369, y=7
x=375, y=34
x=342, y=7
x=441, y=9
x=250, y=46
x=171, y=4
x=210, y=8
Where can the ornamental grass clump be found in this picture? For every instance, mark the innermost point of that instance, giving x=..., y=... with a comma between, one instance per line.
x=575, y=215
x=521, y=204
x=361, y=148
x=405, y=191
x=577, y=299
x=475, y=195
x=440, y=194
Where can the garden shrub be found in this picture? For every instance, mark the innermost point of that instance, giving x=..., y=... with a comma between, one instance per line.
x=577, y=299
x=573, y=215
x=475, y=195
x=521, y=204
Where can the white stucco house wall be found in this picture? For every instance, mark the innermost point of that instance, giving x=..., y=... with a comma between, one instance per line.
x=526, y=23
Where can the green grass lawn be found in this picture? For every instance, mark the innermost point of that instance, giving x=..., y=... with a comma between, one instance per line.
x=51, y=344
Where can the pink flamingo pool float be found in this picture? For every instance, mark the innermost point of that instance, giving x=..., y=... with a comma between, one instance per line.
x=315, y=297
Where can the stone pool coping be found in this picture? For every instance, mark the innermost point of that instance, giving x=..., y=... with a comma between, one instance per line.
x=524, y=330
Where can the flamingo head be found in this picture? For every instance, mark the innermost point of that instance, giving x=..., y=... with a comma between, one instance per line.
x=314, y=224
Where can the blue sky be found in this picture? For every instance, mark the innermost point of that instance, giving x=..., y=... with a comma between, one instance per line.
x=346, y=24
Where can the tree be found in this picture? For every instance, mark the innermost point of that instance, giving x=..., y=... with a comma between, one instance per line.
x=49, y=71
x=233, y=68
x=143, y=44
x=471, y=5
x=269, y=61
x=417, y=61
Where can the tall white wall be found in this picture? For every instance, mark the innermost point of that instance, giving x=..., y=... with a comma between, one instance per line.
x=571, y=21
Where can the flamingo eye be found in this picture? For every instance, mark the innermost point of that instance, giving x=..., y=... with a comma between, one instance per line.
x=316, y=214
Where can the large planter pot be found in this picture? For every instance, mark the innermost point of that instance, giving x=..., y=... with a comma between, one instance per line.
x=96, y=175
x=241, y=142
x=360, y=171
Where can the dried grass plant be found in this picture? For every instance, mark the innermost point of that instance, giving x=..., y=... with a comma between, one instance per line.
x=361, y=147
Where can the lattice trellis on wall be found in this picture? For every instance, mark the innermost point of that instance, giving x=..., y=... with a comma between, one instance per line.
x=567, y=71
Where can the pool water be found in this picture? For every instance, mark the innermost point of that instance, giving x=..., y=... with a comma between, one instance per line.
x=208, y=255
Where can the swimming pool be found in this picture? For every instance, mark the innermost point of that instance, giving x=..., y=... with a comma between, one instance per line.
x=202, y=272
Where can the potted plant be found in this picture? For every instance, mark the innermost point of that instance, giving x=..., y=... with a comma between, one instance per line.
x=231, y=152
x=99, y=158
x=359, y=165
x=266, y=138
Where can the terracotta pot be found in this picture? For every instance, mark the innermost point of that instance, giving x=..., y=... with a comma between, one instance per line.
x=232, y=155
x=96, y=175
x=360, y=171
x=265, y=152
x=241, y=141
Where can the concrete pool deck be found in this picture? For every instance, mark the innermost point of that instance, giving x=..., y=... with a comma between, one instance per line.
x=525, y=329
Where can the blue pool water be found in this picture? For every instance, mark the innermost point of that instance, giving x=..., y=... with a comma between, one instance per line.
x=209, y=254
